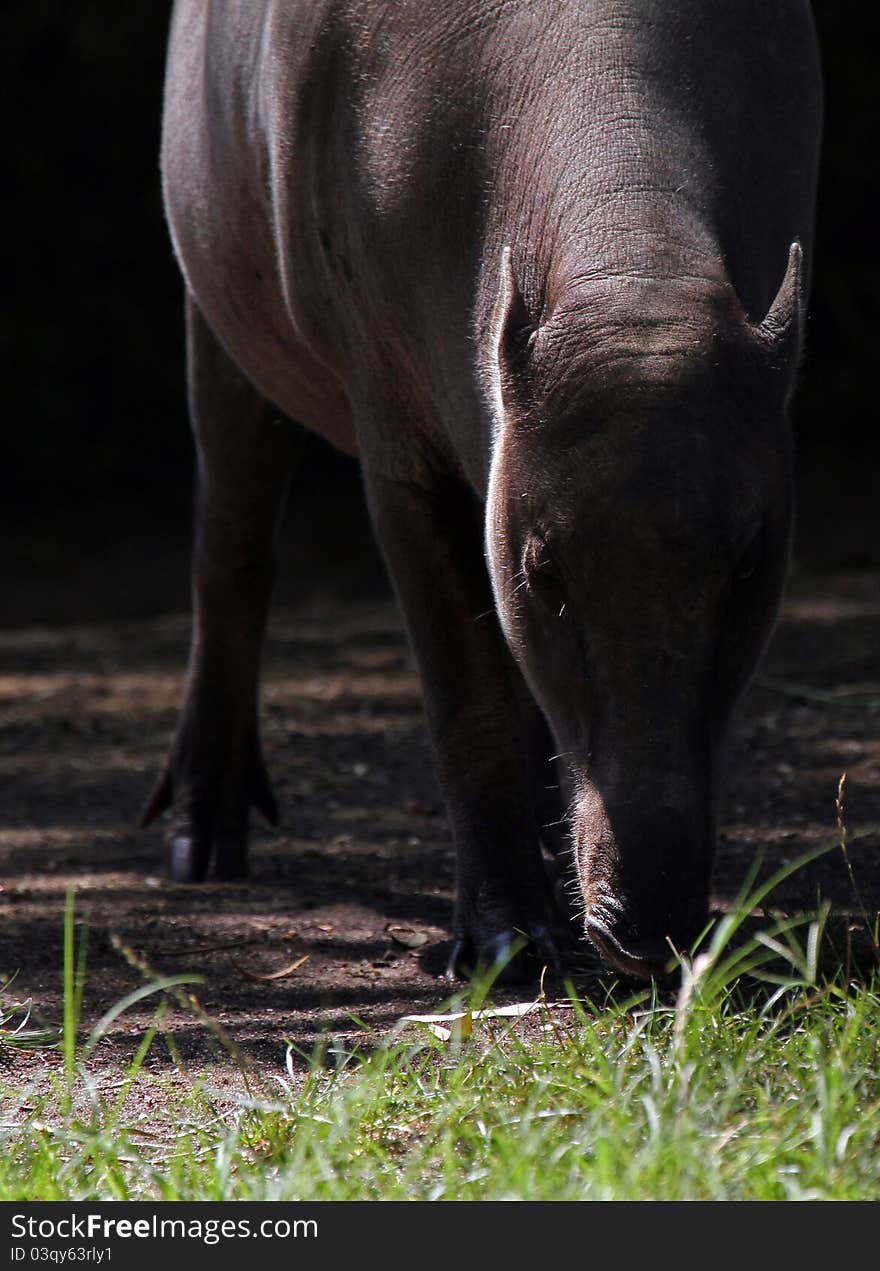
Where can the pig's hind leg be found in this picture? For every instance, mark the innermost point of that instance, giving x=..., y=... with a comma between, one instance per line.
x=215, y=773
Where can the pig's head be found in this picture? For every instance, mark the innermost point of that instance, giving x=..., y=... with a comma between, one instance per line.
x=637, y=533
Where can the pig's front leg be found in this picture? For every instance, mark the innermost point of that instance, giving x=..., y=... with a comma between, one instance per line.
x=432, y=539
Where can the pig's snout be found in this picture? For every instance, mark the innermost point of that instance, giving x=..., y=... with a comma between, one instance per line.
x=644, y=946
x=645, y=886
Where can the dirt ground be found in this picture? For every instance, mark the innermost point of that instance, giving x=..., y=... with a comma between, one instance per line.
x=356, y=885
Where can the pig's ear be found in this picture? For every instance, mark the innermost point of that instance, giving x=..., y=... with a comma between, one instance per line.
x=782, y=329
x=510, y=331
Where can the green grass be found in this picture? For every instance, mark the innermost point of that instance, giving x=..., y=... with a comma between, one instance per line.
x=758, y=1080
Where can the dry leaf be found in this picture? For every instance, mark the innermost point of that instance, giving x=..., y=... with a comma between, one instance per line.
x=271, y=975
x=406, y=936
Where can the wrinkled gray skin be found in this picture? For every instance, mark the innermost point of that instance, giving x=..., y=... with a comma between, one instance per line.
x=536, y=263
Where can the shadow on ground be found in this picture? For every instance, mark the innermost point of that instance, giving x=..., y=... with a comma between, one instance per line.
x=356, y=885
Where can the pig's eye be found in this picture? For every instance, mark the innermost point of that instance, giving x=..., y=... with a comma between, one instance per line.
x=546, y=584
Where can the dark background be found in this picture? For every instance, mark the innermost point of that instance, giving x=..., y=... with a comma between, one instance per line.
x=96, y=444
